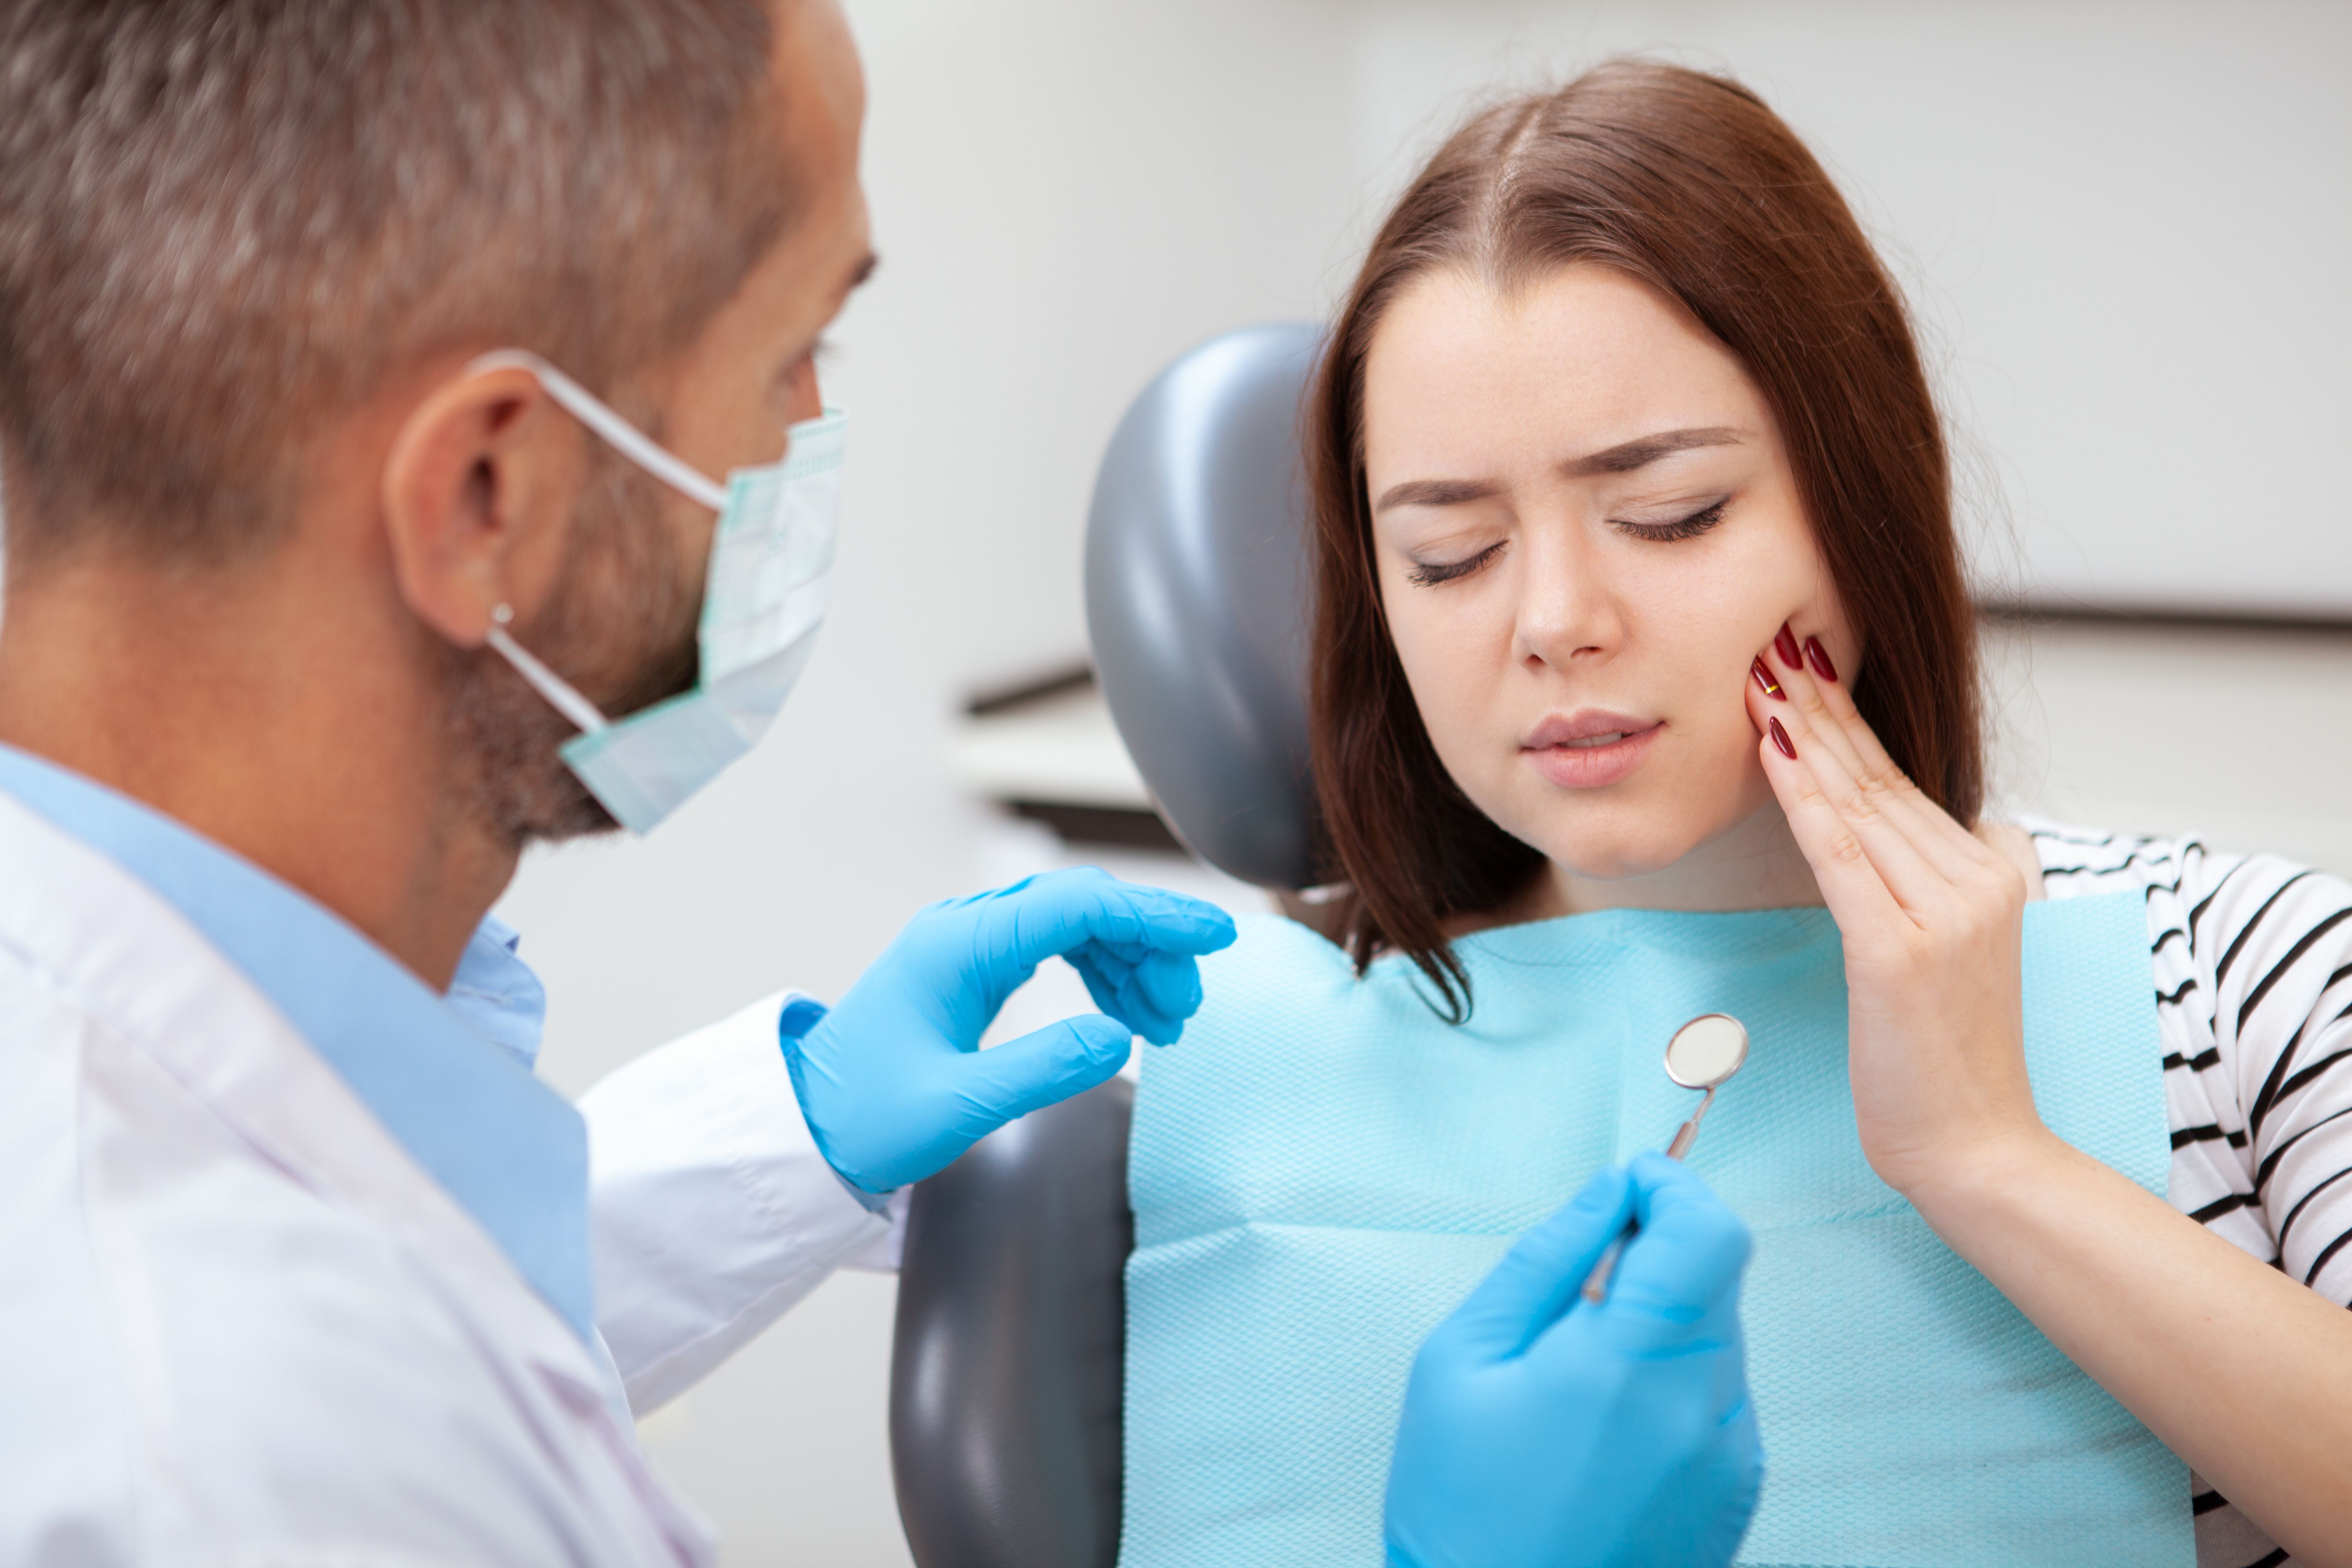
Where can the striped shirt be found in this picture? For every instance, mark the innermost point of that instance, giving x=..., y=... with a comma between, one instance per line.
x=2252, y=961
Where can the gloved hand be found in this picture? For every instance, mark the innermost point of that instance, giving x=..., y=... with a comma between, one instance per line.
x=1541, y=1431
x=892, y=1080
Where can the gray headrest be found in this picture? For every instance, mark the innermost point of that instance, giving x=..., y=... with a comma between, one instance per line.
x=1197, y=599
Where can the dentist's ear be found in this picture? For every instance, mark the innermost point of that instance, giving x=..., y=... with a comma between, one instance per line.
x=478, y=490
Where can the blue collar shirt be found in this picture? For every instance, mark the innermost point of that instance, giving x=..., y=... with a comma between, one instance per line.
x=449, y=1077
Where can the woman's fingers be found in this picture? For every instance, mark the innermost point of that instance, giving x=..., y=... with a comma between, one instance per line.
x=1914, y=879
x=1857, y=893
x=1876, y=822
x=1820, y=682
x=1829, y=716
x=1840, y=726
x=1855, y=887
x=1798, y=691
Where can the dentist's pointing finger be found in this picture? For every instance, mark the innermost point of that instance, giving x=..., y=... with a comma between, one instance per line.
x=893, y=1082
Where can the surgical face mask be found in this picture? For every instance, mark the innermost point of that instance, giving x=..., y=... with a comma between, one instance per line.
x=764, y=599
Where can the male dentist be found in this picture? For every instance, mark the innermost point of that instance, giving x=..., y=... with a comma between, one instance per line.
x=393, y=413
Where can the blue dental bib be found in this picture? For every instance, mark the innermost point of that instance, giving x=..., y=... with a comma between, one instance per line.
x=1323, y=1168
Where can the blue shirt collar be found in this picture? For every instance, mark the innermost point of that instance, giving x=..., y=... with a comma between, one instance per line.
x=448, y=1077
x=495, y=993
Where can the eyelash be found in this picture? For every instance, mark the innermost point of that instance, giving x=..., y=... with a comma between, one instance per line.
x=1689, y=527
x=1430, y=575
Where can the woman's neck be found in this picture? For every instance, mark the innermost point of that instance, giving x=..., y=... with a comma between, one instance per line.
x=1755, y=866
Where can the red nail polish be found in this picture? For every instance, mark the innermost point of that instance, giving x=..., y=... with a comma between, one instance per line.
x=1765, y=683
x=1785, y=645
x=1781, y=738
x=1820, y=659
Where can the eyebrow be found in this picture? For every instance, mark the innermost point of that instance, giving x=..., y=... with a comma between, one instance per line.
x=856, y=280
x=1622, y=458
x=1643, y=450
x=1435, y=492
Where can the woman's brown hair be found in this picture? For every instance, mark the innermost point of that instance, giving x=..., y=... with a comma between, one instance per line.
x=1690, y=183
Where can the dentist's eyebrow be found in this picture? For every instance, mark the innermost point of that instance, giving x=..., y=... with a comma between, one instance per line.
x=1435, y=492
x=1642, y=451
x=854, y=280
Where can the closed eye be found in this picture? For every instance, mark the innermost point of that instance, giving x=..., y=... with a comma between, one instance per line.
x=1689, y=527
x=1429, y=574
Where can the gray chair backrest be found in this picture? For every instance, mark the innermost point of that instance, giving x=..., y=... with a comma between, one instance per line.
x=1197, y=599
x=1006, y=1371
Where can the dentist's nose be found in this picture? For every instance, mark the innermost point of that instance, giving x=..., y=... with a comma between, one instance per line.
x=803, y=399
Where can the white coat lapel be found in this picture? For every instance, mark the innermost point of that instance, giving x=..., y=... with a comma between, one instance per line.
x=129, y=959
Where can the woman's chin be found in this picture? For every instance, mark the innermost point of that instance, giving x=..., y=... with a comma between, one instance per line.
x=1610, y=870
x=1623, y=845
x=1615, y=858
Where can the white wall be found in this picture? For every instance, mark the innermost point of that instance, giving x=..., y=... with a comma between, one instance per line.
x=2126, y=223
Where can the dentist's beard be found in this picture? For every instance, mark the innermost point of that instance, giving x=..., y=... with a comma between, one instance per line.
x=620, y=625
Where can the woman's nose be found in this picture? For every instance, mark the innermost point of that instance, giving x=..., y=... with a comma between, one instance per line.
x=1567, y=616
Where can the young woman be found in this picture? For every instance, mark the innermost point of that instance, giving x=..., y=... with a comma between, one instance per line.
x=1638, y=590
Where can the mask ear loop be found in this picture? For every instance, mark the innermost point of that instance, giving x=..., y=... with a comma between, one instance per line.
x=633, y=443
x=639, y=448
x=560, y=694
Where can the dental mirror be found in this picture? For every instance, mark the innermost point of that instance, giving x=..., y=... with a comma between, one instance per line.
x=1703, y=1055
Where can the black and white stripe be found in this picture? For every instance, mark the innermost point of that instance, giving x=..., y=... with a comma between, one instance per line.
x=2252, y=961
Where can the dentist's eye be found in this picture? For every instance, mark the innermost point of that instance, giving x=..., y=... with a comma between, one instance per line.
x=1429, y=574
x=1689, y=527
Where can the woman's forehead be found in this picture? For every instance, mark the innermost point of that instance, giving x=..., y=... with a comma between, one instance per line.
x=1580, y=360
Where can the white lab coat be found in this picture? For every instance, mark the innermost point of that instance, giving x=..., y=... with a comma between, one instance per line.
x=240, y=1326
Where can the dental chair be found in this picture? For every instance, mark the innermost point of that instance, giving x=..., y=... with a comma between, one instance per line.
x=1007, y=1369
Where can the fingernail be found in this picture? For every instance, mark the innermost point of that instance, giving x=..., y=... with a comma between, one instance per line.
x=1785, y=645
x=1764, y=681
x=1781, y=738
x=1820, y=659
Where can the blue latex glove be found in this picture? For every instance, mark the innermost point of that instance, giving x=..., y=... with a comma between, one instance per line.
x=893, y=1082
x=1541, y=1431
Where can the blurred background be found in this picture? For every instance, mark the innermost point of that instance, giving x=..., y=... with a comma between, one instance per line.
x=2124, y=228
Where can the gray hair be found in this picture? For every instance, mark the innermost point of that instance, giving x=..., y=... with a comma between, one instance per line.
x=223, y=223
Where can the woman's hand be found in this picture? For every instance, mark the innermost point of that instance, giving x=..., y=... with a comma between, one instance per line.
x=1932, y=917
x=2240, y=1371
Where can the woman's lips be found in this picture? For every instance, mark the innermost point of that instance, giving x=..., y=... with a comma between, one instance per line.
x=1594, y=758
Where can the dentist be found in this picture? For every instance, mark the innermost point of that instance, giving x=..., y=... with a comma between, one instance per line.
x=412, y=452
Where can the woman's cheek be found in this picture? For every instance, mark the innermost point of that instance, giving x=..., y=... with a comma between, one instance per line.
x=1451, y=698
x=1731, y=780
x=1447, y=666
